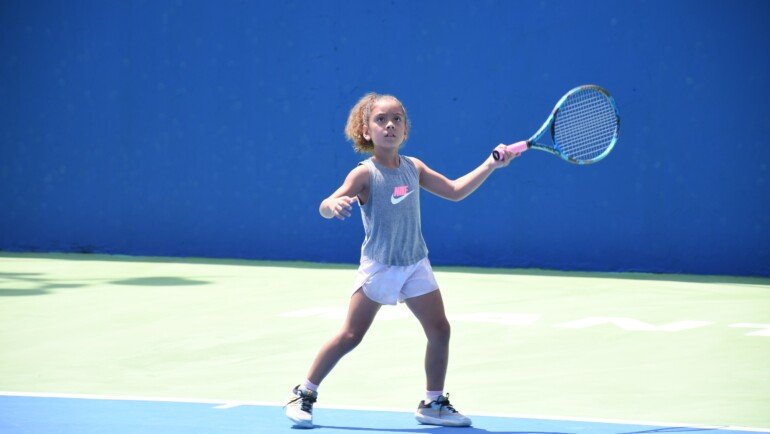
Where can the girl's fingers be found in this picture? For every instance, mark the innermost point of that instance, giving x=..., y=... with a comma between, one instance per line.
x=340, y=209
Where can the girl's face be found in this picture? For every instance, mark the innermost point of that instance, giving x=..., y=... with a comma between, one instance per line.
x=387, y=124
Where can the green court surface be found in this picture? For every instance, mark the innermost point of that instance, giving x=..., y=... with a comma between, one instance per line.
x=643, y=347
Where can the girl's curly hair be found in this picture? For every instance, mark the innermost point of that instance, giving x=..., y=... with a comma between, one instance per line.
x=359, y=116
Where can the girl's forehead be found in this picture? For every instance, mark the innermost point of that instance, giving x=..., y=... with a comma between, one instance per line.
x=388, y=105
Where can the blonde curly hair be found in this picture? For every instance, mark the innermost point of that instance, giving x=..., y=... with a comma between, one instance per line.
x=359, y=116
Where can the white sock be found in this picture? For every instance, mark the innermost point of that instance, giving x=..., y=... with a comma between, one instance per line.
x=432, y=395
x=307, y=385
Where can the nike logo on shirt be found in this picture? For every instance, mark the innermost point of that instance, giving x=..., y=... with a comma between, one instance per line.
x=399, y=194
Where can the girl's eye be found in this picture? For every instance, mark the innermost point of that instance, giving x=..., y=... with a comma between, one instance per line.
x=397, y=119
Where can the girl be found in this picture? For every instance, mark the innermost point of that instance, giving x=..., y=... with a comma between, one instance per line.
x=394, y=262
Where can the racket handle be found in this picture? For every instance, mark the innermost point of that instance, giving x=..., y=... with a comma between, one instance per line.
x=516, y=148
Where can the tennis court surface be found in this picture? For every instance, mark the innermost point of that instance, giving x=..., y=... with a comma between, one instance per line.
x=94, y=343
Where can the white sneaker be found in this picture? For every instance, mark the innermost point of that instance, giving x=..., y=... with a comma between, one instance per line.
x=299, y=409
x=440, y=412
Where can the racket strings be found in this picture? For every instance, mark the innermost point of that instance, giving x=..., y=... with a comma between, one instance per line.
x=586, y=125
x=586, y=119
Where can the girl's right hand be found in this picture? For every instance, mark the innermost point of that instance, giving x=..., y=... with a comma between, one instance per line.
x=341, y=206
x=506, y=156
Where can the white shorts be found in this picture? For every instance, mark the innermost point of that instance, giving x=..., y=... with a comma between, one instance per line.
x=389, y=284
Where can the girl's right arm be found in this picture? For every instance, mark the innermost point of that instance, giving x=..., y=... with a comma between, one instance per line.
x=340, y=202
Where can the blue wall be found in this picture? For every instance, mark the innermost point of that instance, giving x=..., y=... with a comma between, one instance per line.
x=215, y=128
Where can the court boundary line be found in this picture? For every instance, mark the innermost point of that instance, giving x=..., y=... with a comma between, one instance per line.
x=225, y=404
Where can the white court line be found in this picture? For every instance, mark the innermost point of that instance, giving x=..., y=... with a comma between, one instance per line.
x=218, y=403
x=227, y=404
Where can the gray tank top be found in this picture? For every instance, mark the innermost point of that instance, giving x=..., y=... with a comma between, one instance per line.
x=393, y=234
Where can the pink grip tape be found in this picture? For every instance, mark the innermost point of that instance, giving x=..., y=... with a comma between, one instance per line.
x=516, y=148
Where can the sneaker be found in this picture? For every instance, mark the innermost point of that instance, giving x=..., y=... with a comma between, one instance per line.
x=299, y=409
x=440, y=412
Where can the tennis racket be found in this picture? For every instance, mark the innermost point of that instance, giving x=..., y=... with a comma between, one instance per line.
x=583, y=126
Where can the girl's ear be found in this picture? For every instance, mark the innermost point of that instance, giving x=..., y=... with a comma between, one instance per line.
x=365, y=133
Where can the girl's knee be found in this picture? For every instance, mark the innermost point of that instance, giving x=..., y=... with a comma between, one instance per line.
x=439, y=331
x=350, y=338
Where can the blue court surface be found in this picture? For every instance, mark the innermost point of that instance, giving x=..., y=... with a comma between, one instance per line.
x=28, y=414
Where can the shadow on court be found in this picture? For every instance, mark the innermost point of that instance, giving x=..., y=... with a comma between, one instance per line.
x=671, y=429
x=159, y=281
x=436, y=430
x=39, y=284
x=474, y=430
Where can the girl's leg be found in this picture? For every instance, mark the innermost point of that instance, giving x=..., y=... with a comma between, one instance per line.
x=429, y=310
x=361, y=313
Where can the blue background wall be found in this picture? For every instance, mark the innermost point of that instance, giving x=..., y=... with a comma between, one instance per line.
x=215, y=128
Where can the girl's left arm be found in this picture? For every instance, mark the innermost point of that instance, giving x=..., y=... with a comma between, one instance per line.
x=463, y=186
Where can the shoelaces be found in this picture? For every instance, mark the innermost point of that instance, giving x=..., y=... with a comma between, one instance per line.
x=307, y=401
x=444, y=404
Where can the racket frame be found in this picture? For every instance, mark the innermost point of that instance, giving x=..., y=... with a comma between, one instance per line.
x=548, y=126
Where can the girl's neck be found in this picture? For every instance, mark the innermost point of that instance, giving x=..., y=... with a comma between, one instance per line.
x=387, y=157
